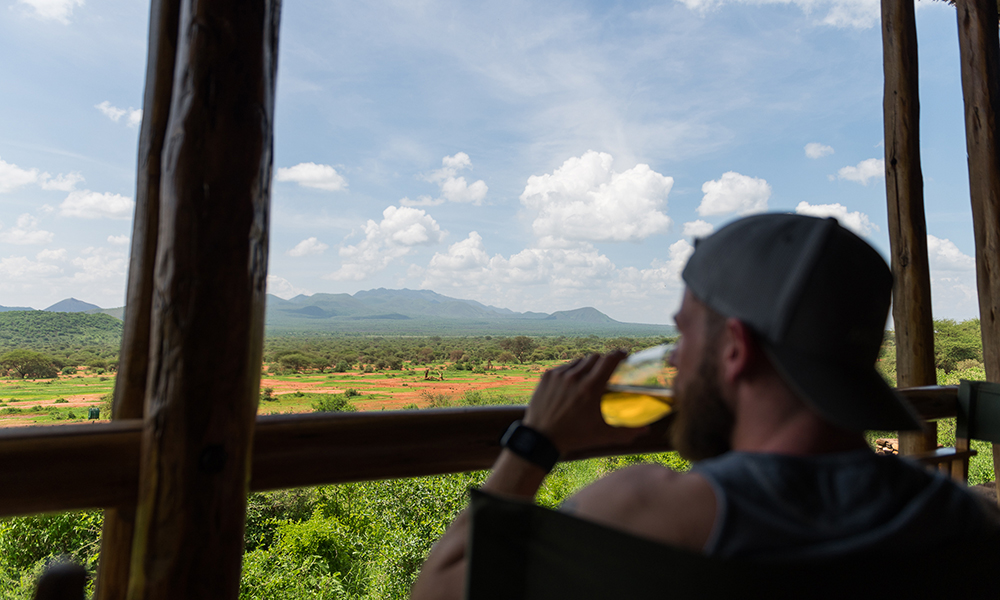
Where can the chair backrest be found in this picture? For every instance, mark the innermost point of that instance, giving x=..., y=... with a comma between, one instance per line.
x=978, y=411
x=520, y=550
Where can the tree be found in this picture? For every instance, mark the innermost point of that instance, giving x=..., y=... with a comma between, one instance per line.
x=520, y=346
x=956, y=342
x=28, y=363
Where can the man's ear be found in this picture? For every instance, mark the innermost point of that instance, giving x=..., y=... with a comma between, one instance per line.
x=739, y=350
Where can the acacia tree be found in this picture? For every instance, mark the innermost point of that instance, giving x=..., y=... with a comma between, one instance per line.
x=28, y=363
x=520, y=346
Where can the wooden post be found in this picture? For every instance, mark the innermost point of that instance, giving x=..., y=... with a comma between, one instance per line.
x=130, y=385
x=208, y=304
x=979, y=49
x=980, y=55
x=911, y=293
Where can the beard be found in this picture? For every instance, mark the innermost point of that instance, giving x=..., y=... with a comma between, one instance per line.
x=704, y=424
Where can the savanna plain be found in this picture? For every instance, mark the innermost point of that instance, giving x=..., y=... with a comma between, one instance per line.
x=362, y=540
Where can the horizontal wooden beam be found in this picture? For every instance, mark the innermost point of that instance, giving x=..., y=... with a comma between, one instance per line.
x=71, y=467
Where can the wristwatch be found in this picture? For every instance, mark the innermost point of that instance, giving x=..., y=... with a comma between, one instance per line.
x=530, y=445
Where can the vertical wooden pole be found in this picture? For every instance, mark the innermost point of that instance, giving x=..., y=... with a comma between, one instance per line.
x=979, y=49
x=980, y=54
x=130, y=385
x=904, y=183
x=208, y=304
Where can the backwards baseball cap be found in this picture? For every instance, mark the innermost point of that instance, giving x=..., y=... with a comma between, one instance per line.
x=817, y=296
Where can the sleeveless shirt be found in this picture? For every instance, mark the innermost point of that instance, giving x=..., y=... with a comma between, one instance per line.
x=778, y=507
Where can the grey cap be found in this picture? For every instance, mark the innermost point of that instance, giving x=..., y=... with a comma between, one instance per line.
x=817, y=296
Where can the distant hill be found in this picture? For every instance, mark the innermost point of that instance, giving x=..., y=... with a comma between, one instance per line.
x=370, y=312
x=424, y=312
x=14, y=308
x=42, y=330
x=72, y=305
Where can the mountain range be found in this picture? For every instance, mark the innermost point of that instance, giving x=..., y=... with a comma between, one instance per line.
x=411, y=312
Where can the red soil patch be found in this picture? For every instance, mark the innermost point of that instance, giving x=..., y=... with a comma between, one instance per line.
x=416, y=393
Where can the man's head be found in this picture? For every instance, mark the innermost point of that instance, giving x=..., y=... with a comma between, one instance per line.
x=815, y=297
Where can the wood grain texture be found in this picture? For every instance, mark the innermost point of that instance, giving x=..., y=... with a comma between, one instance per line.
x=911, y=294
x=208, y=304
x=130, y=384
x=980, y=56
x=300, y=450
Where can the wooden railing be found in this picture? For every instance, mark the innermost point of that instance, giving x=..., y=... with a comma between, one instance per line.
x=70, y=467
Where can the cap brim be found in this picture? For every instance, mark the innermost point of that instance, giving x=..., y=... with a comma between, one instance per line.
x=850, y=396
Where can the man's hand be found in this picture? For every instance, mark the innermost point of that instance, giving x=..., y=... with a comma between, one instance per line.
x=566, y=405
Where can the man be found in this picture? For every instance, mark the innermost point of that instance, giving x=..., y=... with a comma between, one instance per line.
x=780, y=325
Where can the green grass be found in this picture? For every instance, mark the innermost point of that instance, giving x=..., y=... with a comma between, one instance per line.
x=19, y=398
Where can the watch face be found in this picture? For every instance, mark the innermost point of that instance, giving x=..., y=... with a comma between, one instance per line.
x=530, y=445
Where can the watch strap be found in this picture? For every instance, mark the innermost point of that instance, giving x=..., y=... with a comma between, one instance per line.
x=530, y=445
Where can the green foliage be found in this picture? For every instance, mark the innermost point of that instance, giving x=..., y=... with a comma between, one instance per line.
x=956, y=342
x=28, y=363
x=520, y=346
x=333, y=403
x=267, y=394
x=107, y=405
x=52, y=331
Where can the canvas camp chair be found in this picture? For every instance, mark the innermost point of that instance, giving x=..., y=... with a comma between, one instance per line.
x=518, y=550
x=978, y=419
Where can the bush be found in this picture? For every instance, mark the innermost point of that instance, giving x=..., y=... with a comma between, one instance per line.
x=267, y=395
x=60, y=401
x=69, y=371
x=351, y=392
x=333, y=403
x=107, y=405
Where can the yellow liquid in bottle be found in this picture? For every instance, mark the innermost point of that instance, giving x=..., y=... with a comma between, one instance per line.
x=635, y=406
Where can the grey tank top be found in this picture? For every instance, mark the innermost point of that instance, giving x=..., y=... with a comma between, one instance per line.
x=791, y=507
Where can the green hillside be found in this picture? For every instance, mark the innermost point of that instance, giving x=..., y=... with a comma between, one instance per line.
x=50, y=331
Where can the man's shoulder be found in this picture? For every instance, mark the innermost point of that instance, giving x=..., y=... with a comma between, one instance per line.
x=651, y=501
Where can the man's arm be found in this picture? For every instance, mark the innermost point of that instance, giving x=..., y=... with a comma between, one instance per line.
x=566, y=408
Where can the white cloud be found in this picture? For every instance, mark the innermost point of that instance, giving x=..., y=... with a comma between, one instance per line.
x=864, y=172
x=697, y=229
x=93, y=205
x=558, y=278
x=49, y=255
x=99, y=264
x=21, y=268
x=112, y=112
x=944, y=255
x=856, y=221
x=61, y=182
x=817, y=150
x=323, y=177
x=586, y=200
x=953, y=279
x=118, y=240
x=26, y=232
x=13, y=177
x=283, y=288
x=454, y=188
x=134, y=117
x=55, y=10
x=857, y=14
x=733, y=192
x=399, y=232
x=308, y=246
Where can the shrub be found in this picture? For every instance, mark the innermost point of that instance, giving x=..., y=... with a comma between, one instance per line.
x=351, y=392
x=333, y=403
x=107, y=405
x=60, y=401
x=267, y=395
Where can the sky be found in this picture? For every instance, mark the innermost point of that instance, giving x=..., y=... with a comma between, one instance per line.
x=536, y=156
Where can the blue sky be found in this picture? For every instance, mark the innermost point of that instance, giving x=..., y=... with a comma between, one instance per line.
x=534, y=156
